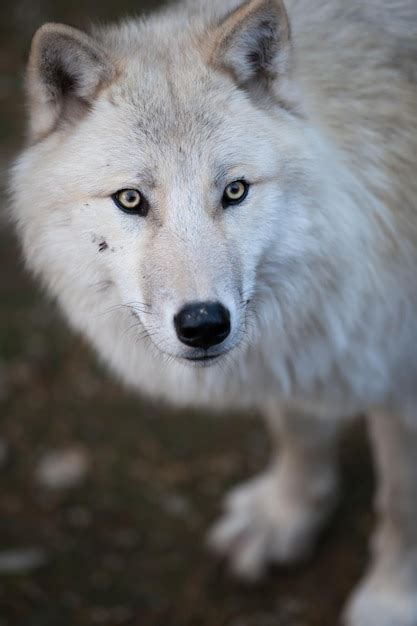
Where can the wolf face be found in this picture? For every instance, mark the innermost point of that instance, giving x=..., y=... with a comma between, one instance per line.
x=186, y=210
x=196, y=128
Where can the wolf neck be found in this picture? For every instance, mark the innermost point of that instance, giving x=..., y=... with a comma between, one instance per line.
x=365, y=110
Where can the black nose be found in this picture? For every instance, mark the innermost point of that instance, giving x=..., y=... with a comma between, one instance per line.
x=202, y=324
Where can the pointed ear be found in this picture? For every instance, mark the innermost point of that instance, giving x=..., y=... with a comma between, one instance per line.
x=66, y=69
x=253, y=42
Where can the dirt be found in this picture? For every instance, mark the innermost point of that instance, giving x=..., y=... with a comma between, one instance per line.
x=126, y=544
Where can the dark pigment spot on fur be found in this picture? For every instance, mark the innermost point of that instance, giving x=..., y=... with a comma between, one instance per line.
x=103, y=246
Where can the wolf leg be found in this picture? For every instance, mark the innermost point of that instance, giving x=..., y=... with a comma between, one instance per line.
x=388, y=594
x=276, y=517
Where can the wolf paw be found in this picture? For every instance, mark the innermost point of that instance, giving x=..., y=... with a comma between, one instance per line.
x=265, y=523
x=374, y=604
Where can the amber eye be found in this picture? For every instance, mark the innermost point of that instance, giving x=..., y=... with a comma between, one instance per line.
x=131, y=201
x=235, y=192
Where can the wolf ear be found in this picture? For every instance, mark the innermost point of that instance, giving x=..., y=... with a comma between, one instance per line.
x=65, y=71
x=253, y=42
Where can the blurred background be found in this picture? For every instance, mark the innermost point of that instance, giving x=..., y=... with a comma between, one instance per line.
x=105, y=498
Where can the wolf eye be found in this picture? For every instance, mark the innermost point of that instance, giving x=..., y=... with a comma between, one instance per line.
x=131, y=201
x=235, y=192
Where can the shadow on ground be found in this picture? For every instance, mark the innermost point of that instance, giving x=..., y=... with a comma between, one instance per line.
x=126, y=545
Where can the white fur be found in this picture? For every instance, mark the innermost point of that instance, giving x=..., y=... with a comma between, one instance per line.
x=317, y=266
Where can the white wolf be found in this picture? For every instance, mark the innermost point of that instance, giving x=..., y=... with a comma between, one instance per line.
x=241, y=177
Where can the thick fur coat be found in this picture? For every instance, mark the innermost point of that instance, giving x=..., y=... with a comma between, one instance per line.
x=314, y=107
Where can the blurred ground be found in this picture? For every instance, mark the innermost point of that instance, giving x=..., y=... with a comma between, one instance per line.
x=125, y=544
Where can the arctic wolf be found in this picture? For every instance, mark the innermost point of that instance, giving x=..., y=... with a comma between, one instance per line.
x=223, y=199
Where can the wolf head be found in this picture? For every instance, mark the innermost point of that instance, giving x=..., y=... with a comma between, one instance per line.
x=170, y=175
